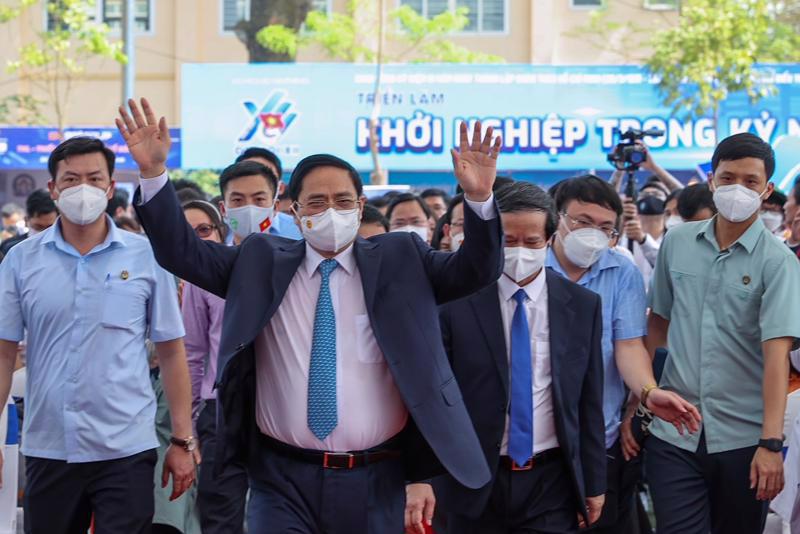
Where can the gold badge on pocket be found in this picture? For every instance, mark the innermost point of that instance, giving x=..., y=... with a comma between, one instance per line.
x=746, y=280
x=124, y=275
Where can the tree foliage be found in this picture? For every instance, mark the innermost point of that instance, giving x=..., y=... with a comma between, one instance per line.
x=55, y=61
x=207, y=179
x=353, y=36
x=711, y=52
x=288, y=14
x=23, y=110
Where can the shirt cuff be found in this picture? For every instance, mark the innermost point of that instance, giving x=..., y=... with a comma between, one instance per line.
x=151, y=186
x=485, y=210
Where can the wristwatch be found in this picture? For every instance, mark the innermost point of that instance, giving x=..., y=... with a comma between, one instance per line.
x=189, y=444
x=773, y=444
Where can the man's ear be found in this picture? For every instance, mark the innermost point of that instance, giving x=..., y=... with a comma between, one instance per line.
x=446, y=230
x=51, y=186
x=710, y=179
x=111, y=188
x=222, y=208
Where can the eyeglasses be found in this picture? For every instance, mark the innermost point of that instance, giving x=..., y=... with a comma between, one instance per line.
x=204, y=230
x=317, y=206
x=577, y=224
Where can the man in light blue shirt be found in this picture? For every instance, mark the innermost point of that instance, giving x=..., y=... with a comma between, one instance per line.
x=589, y=209
x=88, y=295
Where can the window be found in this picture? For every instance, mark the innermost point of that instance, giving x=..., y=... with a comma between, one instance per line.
x=485, y=16
x=110, y=12
x=661, y=4
x=586, y=4
x=234, y=11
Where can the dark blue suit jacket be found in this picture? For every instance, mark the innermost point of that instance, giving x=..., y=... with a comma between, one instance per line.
x=475, y=342
x=404, y=280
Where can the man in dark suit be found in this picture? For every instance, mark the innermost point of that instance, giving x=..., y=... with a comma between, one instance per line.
x=526, y=353
x=333, y=381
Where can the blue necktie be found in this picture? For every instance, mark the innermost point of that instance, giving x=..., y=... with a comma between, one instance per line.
x=520, y=434
x=322, y=416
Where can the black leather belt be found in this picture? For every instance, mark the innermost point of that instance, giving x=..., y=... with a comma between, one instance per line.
x=538, y=459
x=333, y=460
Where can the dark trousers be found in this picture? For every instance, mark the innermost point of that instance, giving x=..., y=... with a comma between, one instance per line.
x=538, y=501
x=288, y=496
x=221, y=500
x=60, y=498
x=697, y=493
x=619, y=511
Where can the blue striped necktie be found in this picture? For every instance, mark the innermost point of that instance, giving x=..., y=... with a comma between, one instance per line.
x=520, y=433
x=322, y=413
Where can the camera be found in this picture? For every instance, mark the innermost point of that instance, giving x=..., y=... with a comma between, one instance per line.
x=628, y=155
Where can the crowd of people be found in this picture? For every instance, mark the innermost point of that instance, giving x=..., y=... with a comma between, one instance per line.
x=295, y=357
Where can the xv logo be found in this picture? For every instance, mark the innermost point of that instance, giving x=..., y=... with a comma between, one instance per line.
x=274, y=117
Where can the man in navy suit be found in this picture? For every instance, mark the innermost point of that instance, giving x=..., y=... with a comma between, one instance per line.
x=526, y=353
x=333, y=381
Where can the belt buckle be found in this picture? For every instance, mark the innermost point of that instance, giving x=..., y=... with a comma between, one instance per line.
x=326, y=457
x=526, y=467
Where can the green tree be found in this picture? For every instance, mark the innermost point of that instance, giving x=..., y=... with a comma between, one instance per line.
x=358, y=35
x=23, y=110
x=55, y=61
x=711, y=52
x=207, y=179
x=288, y=14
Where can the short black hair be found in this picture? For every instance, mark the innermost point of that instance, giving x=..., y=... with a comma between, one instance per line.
x=408, y=197
x=693, y=199
x=378, y=202
x=263, y=153
x=371, y=215
x=435, y=192
x=314, y=161
x=182, y=183
x=672, y=196
x=248, y=168
x=121, y=199
x=744, y=145
x=776, y=199
x=78, y=146
x=589, y=189
x=525, y=196
x=187, y=193
x=39, y=203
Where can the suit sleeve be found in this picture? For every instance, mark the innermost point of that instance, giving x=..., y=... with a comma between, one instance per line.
x=447, y=337
x=478, y=263
x=592, y=431
x=176, y=246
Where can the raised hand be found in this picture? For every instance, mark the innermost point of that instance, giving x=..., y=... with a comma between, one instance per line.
x=475, y=163
x=147, y=138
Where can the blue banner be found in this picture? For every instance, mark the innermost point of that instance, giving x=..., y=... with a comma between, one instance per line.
x=29, y=148
x=551, y=118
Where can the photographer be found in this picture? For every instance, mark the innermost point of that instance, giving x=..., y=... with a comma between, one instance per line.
x=644, y=224
x=661, y=174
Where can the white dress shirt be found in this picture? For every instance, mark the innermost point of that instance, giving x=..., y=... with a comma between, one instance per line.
x=369, y=406
x=544, y=428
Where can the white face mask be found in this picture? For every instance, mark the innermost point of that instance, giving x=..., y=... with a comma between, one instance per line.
x=456, y=240
x=736, y=203
x=421, y=231
x=772, y=220
x=584, y=246
x=673, y=221
x=331, y=230
x=522, y=262
x=82, y=204
x=250, y=219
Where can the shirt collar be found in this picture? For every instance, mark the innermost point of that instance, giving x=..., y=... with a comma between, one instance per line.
x=534, y=289
x=747, y=240
x=346, y=259
x=54, y=235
